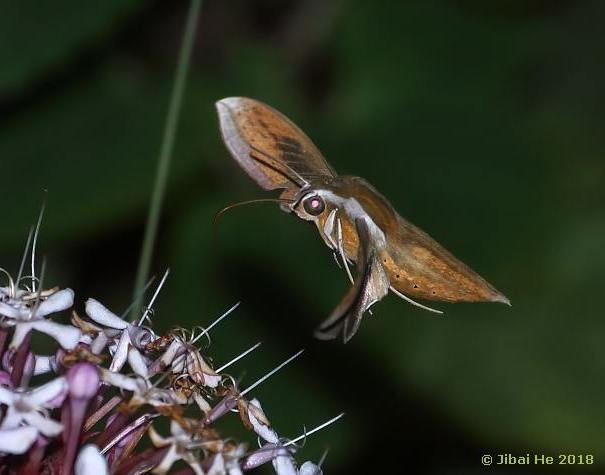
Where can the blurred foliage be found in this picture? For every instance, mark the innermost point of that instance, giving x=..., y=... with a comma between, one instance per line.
x=40, y=37
x=483, y=124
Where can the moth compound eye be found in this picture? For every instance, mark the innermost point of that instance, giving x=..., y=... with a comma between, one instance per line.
x=314, y=205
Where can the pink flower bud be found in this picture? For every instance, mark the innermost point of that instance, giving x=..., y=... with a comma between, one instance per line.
x=83, y=380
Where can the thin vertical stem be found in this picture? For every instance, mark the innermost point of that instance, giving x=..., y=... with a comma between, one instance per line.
x=170, y=129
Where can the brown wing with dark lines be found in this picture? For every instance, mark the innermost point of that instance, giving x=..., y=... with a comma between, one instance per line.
x=272, y=149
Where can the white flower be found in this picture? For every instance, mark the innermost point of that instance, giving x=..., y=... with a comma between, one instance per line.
x=45, y=364
x=218, y=465
x=175, y=350
x=25, y=314
x=124, y=339
x=232, y=459
x=29, y=408
x=309, y=468
x=90, y=461
x=144, y=392
x=187, y=360
x=17, y=441
x=178, y=443
x=260, y=423
x=103, y=316
x=283, y=463
x=279, y=453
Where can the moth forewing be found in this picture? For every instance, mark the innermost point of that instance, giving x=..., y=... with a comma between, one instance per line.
x=268, y=146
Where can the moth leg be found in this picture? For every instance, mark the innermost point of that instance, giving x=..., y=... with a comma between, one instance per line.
x=335, y=256
x=328, y=231
x=413, y=302
x=342, y=252
x=344, y=258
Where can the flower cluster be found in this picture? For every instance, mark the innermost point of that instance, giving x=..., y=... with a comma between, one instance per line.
x=95, y=404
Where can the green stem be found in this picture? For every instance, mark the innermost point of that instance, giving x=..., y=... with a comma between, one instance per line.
x=170, y=129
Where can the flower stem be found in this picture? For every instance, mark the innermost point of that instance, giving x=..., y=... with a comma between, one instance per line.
x=170, y=129
x=76, y=416
x=34, y=457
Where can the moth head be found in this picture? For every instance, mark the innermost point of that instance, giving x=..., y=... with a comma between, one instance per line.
x=311, y=205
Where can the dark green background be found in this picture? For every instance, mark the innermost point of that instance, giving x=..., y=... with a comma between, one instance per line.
x=481, y=121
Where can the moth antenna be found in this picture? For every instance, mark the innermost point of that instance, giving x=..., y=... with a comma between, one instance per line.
x=218, y=215
x=413, y=302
